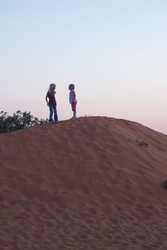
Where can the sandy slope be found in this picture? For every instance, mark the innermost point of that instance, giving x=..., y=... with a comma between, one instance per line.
x=84, y=184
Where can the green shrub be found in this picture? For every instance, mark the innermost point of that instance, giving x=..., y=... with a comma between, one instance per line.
x=19, y=120
x=165, y=183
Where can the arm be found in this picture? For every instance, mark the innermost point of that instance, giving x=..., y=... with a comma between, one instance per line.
x=74, y=95
x=46, y=98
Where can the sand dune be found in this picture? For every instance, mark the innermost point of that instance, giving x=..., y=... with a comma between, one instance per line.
x=93, y=183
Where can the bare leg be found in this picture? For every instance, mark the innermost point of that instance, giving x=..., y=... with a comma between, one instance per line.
x=74, y=114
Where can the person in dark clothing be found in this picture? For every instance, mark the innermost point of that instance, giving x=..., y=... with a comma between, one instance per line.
x=51, y=102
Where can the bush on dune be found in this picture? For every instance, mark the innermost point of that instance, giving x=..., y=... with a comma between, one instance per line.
x=19, y=120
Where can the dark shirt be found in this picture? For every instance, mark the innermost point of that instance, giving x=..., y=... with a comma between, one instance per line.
x=51, y=97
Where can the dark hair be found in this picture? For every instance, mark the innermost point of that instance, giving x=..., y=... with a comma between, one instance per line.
x=71, y=86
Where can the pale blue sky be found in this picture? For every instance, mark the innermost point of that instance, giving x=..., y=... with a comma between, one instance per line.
x=114, y=51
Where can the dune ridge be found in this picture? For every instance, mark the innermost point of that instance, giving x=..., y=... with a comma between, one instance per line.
x=92, y=183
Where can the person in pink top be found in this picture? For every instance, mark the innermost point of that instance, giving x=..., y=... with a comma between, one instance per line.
x=72, y=99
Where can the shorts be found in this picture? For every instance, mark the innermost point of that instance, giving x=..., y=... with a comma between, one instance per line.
x=73, y=106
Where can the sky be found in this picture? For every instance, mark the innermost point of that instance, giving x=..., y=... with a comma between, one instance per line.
x=114, y=51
